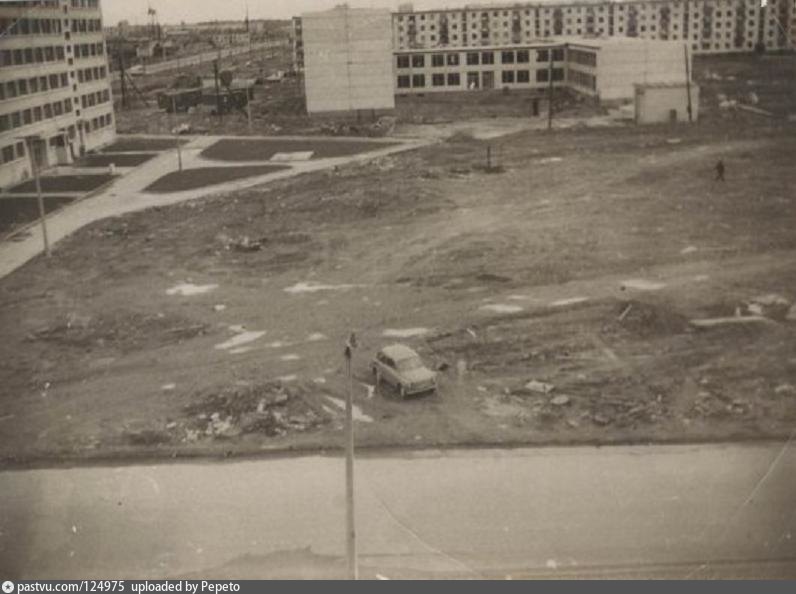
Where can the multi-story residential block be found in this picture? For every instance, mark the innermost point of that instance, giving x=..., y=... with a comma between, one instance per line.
x=54, y=84
x=706, y=26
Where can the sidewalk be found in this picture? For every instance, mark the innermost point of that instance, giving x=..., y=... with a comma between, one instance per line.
x=127, y=193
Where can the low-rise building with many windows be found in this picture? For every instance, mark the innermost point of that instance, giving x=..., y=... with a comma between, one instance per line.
x=54, y=84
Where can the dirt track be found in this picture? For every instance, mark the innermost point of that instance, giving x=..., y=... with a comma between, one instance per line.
x=579, y=266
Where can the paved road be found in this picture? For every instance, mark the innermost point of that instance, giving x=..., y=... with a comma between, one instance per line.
x=671, y=511
x=203, y=57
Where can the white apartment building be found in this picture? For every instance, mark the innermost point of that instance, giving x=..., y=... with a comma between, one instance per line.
x=54, y=84
x=707, y=26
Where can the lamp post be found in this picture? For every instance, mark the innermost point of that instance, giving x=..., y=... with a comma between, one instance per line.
x=30, y=141
x=351, y=542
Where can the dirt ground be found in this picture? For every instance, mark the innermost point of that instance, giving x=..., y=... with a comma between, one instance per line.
x=554, y=293
x=200, y=177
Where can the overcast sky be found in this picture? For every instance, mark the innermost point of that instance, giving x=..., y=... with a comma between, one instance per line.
x=175, y=11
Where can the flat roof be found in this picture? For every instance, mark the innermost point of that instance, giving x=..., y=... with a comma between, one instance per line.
x=596, y=42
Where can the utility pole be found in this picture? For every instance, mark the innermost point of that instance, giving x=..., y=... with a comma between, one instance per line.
x=550, y=93
x=29, y=140
x=218, y=92
x=688, y=84
x=351, y=538
x=174, y=130
x=122, y=77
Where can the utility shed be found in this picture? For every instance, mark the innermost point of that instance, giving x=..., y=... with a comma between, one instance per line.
x=348, y=60
x=658, y=103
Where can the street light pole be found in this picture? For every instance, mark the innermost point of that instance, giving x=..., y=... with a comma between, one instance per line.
x=351, y=542
x=42, y=215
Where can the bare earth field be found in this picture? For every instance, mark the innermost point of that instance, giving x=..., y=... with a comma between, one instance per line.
x=555, y=297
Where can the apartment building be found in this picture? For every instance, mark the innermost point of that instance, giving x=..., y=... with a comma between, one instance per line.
x=54, y=84
x=707, y=26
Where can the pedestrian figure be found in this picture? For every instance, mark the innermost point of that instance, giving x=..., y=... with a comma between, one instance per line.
x=720, y=170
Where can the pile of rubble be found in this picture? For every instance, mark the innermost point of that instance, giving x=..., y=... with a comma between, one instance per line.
x=271, y=409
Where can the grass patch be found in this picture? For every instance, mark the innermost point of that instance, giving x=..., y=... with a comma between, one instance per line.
x=131, y=145
x=15, y=212
x=191, y=179
x=120, y=160
x=64, y=183
x=263, y=150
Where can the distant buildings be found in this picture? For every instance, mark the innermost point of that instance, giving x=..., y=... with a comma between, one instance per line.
x=54, y=84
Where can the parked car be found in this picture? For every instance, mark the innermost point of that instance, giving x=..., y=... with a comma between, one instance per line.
x=402, y=368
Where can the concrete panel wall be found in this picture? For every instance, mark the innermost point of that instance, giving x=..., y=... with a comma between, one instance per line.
x=348, y=60
x=620, y=65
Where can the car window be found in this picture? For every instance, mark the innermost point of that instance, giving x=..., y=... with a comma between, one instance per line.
x=410, y=364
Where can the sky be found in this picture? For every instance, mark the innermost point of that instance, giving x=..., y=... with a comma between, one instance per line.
x=175, y=11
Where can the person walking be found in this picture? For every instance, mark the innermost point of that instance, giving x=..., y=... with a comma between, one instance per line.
x=720, y=170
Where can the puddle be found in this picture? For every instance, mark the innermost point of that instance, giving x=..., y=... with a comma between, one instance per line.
x=501, y=308
x=316, y=336
x=287, y=378
x=240, y=339
x=290, y=357
x=701, y=278
x=357, y=412
x=404, y=333
x=550, y=160
x=569, y=301
x=294, y=156
x=168, y=387
x=300, y=288
x=319, y=380
x=642, y=285
x=189, y=289
x=688, y=250
x=241, y=350
x=277, y=344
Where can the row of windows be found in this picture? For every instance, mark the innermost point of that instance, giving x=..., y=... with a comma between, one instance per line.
x=13, y=152
x=86, y=25
x=476, y=58
x=85, y=3
x=89, y=74
x=17, y=119
x=96, y=98
x=29, y=86
x=99, y=122
x=87, y=50
x=26, y=26
x=31, y=55
x=581, y=57
x=453, y=79
x=582, y=79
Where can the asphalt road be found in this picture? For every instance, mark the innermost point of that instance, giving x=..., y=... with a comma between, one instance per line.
x=665, y=511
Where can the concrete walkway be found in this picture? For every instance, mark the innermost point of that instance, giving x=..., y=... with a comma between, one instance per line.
x=127, y=194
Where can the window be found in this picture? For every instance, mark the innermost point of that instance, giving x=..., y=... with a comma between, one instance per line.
x=437, y=60
x=558, y=55
x=542, y=75
x=404, y=82
x=523, y=76
x=454, y=79
x=418, y=61
x=523, y=57
x=23, y=86
x=8, y=154
x=508, y=76
x=403, y=62
x=11, y=88
x=27, y=117
x=487, y=58
x=438, y=80
x=453, y=59
x=542, y=56
x=418, y=81
x=5, y=123
x=507, y=57
x=558, y=74
x=473, y=59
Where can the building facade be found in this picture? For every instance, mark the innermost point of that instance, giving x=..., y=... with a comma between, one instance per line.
x=348, y=60
x=54, y=84
x=706, y=26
